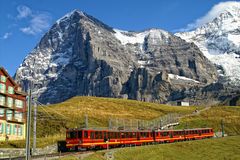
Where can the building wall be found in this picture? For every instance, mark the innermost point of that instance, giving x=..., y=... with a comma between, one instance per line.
x=11, y=131
x=12, y=108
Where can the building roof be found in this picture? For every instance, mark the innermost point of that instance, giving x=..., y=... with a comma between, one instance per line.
x=13, y=82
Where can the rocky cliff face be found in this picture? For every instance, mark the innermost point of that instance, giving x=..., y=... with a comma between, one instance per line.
x=80, y=55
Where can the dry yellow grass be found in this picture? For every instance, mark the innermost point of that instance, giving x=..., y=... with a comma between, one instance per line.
x=54, y=118
x=213, y=117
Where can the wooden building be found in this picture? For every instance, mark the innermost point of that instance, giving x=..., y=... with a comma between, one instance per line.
x=182, y=103
x=12, y=108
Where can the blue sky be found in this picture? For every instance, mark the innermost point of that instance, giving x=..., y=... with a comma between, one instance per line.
x=24, y=22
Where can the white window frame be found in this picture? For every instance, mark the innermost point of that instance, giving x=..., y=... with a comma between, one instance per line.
x=1, y=128
x=3, y=79
x=2, y=111
x=10, y=90
x=18, y=103
x=8, y=129
x=3, y=88
x=2, y=100
x=8, y=98
x=9, y=114
x=19, y=133
x=18, y=116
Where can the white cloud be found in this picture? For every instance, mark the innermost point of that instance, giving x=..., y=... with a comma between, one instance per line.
x=37, y=21
x=6, y=35
x=213, y=13
x=37, y=24
x=23, y=12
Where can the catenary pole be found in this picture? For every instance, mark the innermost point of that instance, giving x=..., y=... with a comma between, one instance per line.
x=28, y=125
x=34, y=126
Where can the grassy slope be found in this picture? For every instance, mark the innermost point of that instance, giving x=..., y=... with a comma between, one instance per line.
x=53, y=120
x=222, y=148
x=99, y=110
x=212, y=118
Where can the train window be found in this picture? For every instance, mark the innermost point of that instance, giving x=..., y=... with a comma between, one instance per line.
x=114, y=135
x=79, y=134
x=134, y=135
x=144, y=134
x=126, y=135
x=122, y=135
x=110, y=135
x=105, y=135
x=92, y=135
x=85, y=134
x=129, y=135
x=98, y=135
x=72, y=134
x=165, y=133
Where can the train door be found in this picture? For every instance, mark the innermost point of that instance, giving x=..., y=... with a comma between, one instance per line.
x=199, y=132
x=154, y=135
x=138, y=136
x=105, y=139
x=171, y=134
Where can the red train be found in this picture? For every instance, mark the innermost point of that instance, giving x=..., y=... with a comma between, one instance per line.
x=99, y=139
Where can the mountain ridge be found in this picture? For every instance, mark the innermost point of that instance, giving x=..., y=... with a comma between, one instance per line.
x=219, y=40
x=80, y=55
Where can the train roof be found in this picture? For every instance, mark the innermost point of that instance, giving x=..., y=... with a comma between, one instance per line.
x=117, y=130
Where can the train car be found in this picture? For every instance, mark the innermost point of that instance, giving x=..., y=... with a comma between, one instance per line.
x=99, y=139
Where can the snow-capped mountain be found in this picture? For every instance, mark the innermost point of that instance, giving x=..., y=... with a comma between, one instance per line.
x=80, y=55
x=219, y=40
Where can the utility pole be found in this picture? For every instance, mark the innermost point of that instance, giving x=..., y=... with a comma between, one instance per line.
x=161, y=125
x=222, y=126
x=109, y=123
x=28, y=124
x=86, y=121
x=34, y=126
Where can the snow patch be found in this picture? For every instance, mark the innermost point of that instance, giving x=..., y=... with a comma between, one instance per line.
x=231, y=65
x=177, y=77
x=235, y=39
x=134, y=37
x=129, y=37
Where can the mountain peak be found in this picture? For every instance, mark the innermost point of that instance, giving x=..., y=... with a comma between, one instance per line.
x=70, y=14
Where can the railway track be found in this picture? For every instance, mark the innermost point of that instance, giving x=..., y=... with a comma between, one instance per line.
x=51, y=156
